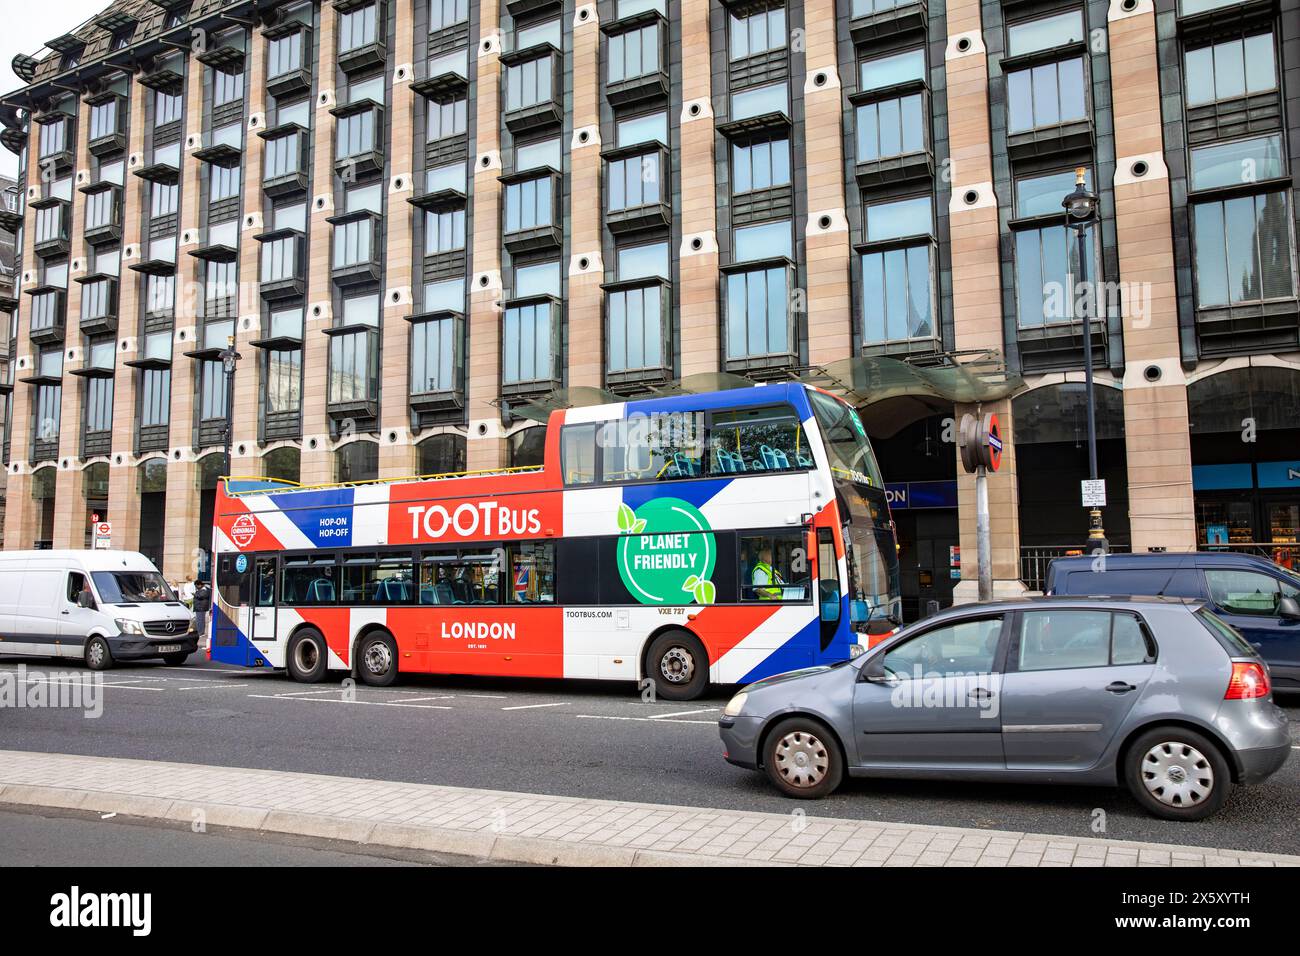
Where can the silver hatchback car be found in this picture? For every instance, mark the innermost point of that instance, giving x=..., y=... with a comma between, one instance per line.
x=1159, y=695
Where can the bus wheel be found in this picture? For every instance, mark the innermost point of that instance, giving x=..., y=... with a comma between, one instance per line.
x=377, y=659
x=678, y=665
x=308, y=657
x=98, y=656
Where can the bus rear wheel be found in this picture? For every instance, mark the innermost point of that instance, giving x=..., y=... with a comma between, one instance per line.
x=308, y=657
x=678, y=665
x=377, y=659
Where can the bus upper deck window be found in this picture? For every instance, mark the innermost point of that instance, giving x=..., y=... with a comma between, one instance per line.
x=579, y=454
x=756, y=440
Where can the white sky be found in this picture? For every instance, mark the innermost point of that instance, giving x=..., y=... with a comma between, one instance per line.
x=23, y=32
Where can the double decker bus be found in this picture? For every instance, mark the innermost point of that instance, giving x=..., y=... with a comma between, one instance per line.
x=698, y=538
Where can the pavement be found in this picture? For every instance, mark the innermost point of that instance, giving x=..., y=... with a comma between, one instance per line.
x=583, y=739
x=492, y=825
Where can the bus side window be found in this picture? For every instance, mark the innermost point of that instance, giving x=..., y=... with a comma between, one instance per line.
x=578, y=454
x=774, y=567
x=828, y=576
x=232, y=586
x=767, y=439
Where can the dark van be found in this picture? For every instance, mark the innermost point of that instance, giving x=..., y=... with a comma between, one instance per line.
x=1252, y=594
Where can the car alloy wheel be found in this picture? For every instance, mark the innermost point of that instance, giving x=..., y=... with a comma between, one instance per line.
x=95, y=654
x=677, y=665
x=801, y=759
x=1177, y=774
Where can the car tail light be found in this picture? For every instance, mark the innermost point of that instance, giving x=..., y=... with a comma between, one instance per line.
x=1249, y=681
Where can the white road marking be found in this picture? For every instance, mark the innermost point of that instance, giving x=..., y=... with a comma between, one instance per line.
x=219, y=670
x=222, y=684
x=81, y=683
x=487, y=696
x=302, y=693
x=332, y=700
x=682, y=713
x=533, y=706
x=711, y=723
x=412, y=700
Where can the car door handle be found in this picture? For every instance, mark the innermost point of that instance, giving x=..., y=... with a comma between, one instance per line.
x=1120, y=687
x=980, y=693
x=65, y=611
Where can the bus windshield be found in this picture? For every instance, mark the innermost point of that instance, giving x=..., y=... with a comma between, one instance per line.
x=132, y=587
x=846, y=441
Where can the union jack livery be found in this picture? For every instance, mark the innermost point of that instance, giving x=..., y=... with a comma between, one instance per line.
x=687, y=539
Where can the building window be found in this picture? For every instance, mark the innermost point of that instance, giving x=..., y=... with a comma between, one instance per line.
x=1046, y=95
x=227, y=87
x=529, y=83
x=96, y=299
x=46, y=311
x=53, y=138
x=155, y=397
x=756, y=312
x=284, y=55
x=220, y=290
x=446, y=119
x=280, y=259
x=897, y=301
x=284, y=463
x=760, y=100
x=223, y=182
x=447, y=13
x=356, y=461
x=358, y=28
x=212, y=391
x=444, y=231
x=352, y=370
x=636, y=314
x=356, y=134
x=1044, y=249
x=645, y=128
x=284, y=381
x=103, y=119
x=890, y=128
x=634, y=182
x=526, y=339
x=162, y=199
x=49, y=224
x=160, y=294
x=1231, y=69
x=282, y=157
x=1243, y=250
x=100, y=209
x=763, y=165
x=166, y=108
x=755, y=33
x=882, y=72
x=352, y=242
x=99, y=404
x=634, y=53
x=530, y=204
x=433, y=353
x=1045, y=33
x=46, y=412
x=442, y=454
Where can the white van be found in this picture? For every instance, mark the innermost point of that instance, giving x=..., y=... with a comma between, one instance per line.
x=101, y=606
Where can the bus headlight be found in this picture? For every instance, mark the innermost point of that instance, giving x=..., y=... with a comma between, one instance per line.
x=735, y=705
x=856, y=650
x=129, y=627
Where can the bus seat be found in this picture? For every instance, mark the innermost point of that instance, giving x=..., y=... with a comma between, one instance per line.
x=804, y=461
x=321, y=591
x=773, y=457
x=427, y=594
x=443, y=593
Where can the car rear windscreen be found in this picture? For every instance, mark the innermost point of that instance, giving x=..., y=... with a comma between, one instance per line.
x=1148, y=582
x=1229, y=637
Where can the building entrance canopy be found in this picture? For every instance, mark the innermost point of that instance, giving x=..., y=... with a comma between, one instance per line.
x=953, y=377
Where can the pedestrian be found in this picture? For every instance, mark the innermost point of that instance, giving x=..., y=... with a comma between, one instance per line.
x=202, y=604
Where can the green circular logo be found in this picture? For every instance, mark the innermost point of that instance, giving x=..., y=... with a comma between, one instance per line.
x=667, y=553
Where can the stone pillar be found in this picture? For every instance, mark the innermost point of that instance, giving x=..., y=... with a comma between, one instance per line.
x=486, y=446
x=1157, y=437
x=827, y=254
x=701, y=342
x=976, y=294
x=584, y=305
x=21, y=518
x=70, y=515
x=317, y=464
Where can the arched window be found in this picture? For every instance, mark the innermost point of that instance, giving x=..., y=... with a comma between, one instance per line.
x=442, y=454
x=357, y=461
x=284, y=463
x=528, y=447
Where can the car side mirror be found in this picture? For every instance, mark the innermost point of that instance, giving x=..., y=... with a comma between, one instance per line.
x=86, y=599
x=874, y=670
x=1289, y=609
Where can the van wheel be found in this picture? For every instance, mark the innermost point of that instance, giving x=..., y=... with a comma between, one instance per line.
x=174, y=659
x=1177, y=774
x=802, y=757
x=678, y=665
x=98, y=656
x=376, y=659
x=308, y=657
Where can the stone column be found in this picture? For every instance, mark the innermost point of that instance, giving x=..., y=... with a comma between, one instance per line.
x=976, y=294
x=1157, y=437
x=584, y=303
x=486, y=447
x=697, y=295
x=827, y=254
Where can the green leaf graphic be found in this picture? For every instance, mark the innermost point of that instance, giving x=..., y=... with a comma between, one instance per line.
x=639, y=526
x=626, y=518
x=706, y=592
x=690, y=583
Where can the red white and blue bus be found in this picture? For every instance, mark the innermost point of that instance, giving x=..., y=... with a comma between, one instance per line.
x=688, y=539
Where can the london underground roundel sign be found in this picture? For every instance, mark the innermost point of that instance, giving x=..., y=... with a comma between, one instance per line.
x=992, y=440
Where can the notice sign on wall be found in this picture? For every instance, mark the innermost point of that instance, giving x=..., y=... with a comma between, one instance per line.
x=1094, y=493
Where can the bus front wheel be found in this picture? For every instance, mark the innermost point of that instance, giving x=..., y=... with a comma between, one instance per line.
x=308, y=657
x=376, y=659
x=678, y=665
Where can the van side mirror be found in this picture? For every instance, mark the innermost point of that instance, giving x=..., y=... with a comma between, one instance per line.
x=86, y=599
x=1289, y=609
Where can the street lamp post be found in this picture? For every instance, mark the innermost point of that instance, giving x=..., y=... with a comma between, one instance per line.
x=1080, y=210
x=229, y=359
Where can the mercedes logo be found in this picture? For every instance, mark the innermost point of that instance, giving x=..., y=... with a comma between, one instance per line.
x=171, y=626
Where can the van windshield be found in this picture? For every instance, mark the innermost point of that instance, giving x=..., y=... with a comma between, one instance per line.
x=132, y=587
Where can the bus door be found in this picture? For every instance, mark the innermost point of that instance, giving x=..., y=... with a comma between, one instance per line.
x=263, y=599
